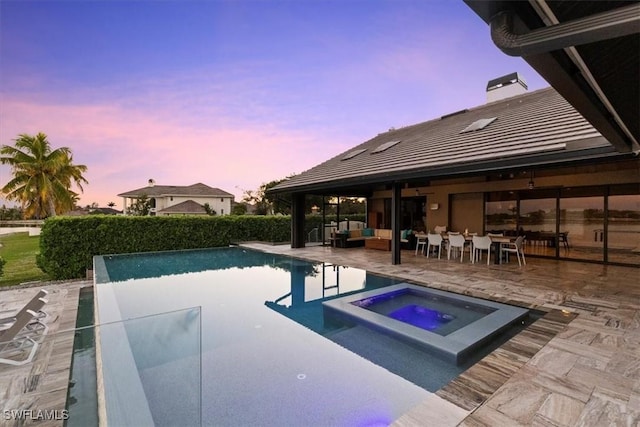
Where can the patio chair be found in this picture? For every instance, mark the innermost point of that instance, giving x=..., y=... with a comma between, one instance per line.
x=35, y=328
x=421, y=242
x=456, y=241
x=14, y=342
x=28, y=306
x=514, y=247
x=481, y=244
x=435, y=239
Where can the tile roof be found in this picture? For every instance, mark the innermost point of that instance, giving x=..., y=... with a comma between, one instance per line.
x=198, y=189
x=186, y=207
x=539, y=127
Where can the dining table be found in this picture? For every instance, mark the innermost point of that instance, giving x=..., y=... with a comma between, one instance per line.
x=497, y=242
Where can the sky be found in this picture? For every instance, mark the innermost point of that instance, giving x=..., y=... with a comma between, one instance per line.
x=232, y=94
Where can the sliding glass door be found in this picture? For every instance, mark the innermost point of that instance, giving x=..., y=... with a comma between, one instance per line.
x=537, y=221
x=623, y=226
x=582, y=224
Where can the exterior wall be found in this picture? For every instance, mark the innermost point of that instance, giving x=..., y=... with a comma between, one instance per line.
x=467, y=212
x=441, y=191
x=222, y=205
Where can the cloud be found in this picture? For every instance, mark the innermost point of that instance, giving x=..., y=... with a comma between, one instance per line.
x=176, y=135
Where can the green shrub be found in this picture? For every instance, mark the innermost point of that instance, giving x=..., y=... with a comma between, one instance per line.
x=2, y=263
x=68, y=244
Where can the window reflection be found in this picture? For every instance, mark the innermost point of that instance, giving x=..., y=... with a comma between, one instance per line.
x=624, y=229
x=583, y=219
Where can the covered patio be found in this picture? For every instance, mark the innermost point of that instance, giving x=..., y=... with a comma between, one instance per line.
x=531, y=165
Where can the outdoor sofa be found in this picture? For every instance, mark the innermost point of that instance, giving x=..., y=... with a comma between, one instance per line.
x=357, y=237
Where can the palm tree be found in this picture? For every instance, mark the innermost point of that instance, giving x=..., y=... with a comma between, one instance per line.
x=42, y=177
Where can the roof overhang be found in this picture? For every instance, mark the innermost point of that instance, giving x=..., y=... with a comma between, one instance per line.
x=587, y=50
x=364, y=186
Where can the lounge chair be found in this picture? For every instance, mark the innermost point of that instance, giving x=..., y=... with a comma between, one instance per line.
x=28, y=306
x=35, y=328
x=15, y=340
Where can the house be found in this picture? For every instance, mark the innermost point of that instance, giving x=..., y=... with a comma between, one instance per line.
x=180, y=200
x=523, y=162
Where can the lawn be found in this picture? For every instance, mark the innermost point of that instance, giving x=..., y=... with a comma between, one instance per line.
x=19, y=251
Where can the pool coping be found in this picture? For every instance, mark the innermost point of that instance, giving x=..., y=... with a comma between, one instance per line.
x=454, y=347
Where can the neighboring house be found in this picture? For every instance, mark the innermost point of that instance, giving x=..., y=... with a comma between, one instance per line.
x=181, y=200
x=523, y=162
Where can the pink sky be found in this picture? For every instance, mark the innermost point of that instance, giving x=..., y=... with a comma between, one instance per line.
x=232, y=94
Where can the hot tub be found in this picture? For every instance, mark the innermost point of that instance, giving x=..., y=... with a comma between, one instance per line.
x=447, y=324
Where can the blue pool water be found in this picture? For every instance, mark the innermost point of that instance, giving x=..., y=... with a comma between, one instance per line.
x=422, y=317
x=268, y=356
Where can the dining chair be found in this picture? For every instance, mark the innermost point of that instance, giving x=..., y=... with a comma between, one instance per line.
x=481, y=243
x=421, y=241
x=514, y=247
x=440, y=229
x=456, y=241
x=435, y=240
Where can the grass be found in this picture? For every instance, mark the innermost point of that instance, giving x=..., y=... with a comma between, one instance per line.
x=19, y=251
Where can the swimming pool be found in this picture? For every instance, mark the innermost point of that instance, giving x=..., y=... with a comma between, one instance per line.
x=267, y=356
x=258, y=366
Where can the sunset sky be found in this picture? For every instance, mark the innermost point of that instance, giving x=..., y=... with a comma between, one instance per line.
x=232, y=93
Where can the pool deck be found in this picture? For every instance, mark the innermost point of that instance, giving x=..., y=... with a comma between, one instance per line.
x=580, y=366
x=43, y=383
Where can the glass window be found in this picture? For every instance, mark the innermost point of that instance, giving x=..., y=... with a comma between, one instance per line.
x=623, y=240
x=501, y=212
x=537, y=222
x=582, y=227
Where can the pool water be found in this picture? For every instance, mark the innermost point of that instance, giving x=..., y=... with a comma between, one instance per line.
x=82, y=401
x=433, y=313
x=422, y=317
x=268, y=355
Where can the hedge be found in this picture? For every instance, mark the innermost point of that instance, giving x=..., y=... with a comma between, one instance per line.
x=68, y=244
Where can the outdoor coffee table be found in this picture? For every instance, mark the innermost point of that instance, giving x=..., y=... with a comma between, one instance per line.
x=377, y=243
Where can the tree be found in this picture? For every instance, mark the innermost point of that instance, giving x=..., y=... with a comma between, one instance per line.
x=111, y=204
x=276, y=203
x=42, y=177
x=239, y=209
x=257, y=199
x=141, y=207
x=209, y=210
x=10, y=213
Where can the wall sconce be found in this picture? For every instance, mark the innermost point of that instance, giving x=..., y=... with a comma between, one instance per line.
x=434, y=206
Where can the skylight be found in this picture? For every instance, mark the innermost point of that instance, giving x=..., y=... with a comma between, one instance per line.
x=354, y=153
x=478, y=124
x=385, y=146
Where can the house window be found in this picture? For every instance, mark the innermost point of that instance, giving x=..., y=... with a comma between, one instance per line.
x=221, y=199
x=221, y=211
x=171, y=198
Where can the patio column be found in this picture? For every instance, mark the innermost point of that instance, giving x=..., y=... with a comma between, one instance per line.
x=297, y=220
x=395, y=223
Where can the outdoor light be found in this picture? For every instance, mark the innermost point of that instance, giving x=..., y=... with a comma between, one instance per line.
x=531, y=184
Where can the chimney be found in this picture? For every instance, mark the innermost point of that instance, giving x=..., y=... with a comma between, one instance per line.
x=505, y=87
x=151, y=183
